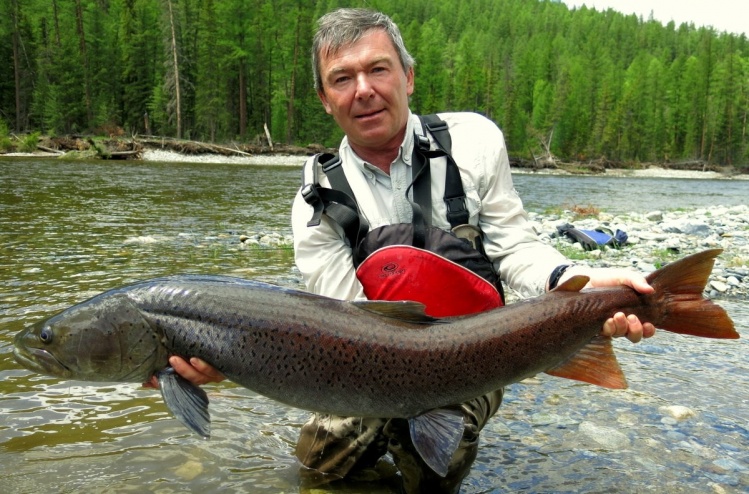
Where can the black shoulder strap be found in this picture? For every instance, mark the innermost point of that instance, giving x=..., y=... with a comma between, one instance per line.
x=457, y=213
x=338, y=202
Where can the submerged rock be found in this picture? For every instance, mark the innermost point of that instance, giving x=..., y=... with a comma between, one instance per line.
x=608, y=437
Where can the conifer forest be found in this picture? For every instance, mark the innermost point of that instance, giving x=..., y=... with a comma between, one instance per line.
x=577, y=83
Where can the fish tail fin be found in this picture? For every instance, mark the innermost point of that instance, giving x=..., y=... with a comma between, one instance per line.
x=678, y=290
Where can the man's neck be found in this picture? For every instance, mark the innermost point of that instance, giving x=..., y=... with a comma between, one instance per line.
x=382, y=156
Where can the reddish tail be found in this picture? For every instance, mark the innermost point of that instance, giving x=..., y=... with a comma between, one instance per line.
x=680, y=285
x=681, y=308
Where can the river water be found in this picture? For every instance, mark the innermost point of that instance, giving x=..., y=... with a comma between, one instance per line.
x=71, y=230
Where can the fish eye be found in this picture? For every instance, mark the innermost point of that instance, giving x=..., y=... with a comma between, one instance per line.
x=46, y=335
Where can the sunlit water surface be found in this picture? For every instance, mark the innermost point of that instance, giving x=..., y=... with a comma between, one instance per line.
x=71, y=230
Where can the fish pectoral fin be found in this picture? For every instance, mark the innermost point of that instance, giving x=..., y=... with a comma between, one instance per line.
x=595, y=363
x=404, y=310
x=187, y=402
x=436, y=435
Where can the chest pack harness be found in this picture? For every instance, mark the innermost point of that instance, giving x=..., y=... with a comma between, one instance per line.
x=446, y=271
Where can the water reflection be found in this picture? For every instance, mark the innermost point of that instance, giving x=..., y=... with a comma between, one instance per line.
x=70, y=230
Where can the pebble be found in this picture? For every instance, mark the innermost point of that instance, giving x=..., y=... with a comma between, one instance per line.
x=678, y=412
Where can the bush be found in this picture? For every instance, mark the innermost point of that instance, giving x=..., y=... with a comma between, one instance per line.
x=28, y=144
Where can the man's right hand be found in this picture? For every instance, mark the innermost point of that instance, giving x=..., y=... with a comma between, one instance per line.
x=197, y=371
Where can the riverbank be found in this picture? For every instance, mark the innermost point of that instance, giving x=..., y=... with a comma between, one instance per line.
x=175, y=150
x=159, y=155
x=659, y=237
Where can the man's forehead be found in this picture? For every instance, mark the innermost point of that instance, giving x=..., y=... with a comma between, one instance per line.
x=335, y=50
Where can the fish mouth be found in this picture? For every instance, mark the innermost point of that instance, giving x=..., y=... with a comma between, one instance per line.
x=41, y=361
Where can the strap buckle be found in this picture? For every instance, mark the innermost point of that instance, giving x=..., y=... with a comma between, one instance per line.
x=423, y=142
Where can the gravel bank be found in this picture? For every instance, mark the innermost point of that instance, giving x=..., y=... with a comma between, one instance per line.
x=657, y=237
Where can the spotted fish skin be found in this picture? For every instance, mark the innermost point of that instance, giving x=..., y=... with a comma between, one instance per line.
x=366, y=359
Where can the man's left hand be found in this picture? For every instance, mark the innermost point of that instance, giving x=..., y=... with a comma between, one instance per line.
x=620, y=324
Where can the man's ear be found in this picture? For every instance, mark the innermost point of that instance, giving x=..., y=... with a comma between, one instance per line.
x=410, y=81
x=324, y=100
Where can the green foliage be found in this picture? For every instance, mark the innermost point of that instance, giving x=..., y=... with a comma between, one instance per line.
x=584, y=83
x=28, y=143
x=6, y=144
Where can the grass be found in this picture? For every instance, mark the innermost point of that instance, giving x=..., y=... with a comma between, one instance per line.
x=28, y=143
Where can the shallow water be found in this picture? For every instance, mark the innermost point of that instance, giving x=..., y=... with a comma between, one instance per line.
x=71, y=230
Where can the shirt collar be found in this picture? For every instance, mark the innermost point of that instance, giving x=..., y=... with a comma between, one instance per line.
x=404, y=154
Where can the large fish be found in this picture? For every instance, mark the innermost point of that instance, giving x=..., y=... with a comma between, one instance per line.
x=372, y=359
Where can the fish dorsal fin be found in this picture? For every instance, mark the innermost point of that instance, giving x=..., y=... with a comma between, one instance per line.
x=187, y=402
x=574, y=284
x=404, y=311
x=436, y=435
x=595, y=363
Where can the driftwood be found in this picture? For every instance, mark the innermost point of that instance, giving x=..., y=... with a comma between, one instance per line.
x=50, y=150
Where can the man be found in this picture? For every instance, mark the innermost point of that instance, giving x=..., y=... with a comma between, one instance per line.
x=364, y=77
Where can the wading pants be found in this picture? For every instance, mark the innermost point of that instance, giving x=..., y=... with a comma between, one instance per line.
x=331, y=447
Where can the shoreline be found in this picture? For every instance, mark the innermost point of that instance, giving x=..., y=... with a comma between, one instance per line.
x=297, y=160
x=269, y=159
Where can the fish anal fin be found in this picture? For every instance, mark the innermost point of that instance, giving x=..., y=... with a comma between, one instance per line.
x=187, y=402
x=574, y=284
x=595, y=363
x=436, y=435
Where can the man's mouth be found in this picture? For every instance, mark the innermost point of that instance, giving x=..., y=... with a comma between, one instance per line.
x=364, y=116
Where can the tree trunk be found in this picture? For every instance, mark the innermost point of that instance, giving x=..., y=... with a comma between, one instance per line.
x=84, y=56
x=292, y=89
x=16, y=62
x=56, y=15
x=242, y=100
x=175, y=61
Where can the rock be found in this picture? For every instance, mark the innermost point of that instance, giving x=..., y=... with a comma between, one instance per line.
x=654, y=216
x=733, y=281
x=608, y=437
x=673, y=244
x=688, y=227
x=677, y=412
x=719, y=286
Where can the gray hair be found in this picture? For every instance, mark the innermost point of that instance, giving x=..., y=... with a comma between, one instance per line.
x=344, y=27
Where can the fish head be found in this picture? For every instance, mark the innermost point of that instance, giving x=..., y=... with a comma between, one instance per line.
x=103, y=339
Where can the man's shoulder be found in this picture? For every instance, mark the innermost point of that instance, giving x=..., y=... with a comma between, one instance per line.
x=470, y=125
x=468, y=120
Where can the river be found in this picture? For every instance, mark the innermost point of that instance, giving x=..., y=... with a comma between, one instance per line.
x=69, y=230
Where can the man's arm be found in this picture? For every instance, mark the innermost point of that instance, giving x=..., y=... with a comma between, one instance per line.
x=322, y=255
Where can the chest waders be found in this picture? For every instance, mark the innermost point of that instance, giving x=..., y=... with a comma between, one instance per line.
x=447, y=271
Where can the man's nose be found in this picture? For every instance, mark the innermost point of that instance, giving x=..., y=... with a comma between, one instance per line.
x=364, y=88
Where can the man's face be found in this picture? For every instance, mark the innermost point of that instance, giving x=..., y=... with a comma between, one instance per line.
x=366, y=90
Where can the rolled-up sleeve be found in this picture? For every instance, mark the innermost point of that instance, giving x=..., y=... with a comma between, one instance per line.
x=523, y=260
x=322, y=256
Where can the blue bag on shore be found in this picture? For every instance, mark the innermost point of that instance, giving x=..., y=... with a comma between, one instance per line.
x=593, y=239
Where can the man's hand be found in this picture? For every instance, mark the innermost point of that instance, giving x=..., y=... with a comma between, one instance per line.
x=196, y=371
x=620, y=324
